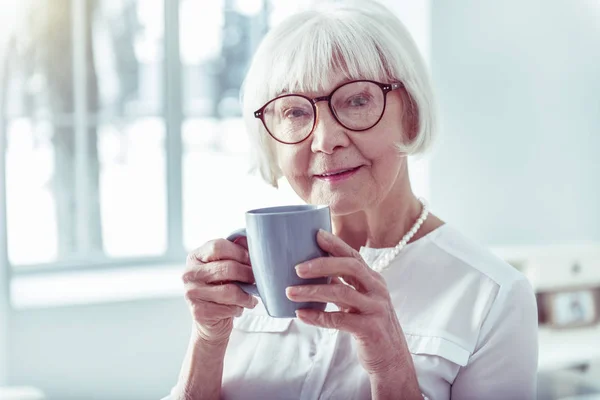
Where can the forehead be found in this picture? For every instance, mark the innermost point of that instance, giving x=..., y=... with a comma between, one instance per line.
x=334, y=81
x=340, y=86
x=317, y=75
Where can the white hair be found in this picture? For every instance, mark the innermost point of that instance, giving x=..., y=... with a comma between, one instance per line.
x=360, y=39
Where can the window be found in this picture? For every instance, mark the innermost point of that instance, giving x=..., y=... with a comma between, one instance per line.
x=124, y=141
x=85, y=132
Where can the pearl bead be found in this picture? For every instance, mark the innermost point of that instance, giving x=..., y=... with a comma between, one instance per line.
x=385, y=261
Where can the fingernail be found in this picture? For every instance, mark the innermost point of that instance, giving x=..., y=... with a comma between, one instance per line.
x=254, y=302
x=302, y=269
x=323, y=234
x=291, y=291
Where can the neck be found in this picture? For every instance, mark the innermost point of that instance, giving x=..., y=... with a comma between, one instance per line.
x=384, y=223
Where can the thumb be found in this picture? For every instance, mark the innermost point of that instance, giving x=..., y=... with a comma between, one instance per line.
x=242, y=241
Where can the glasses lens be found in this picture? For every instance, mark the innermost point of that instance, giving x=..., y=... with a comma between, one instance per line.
x=289, y=118
x=358, y=105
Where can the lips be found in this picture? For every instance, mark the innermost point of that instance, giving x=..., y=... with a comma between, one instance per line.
x=337, y=172
x=337, y=175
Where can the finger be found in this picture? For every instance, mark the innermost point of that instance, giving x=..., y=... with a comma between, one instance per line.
x=228, y=294
x=339, y=281
x=352, y=270
x=219, y=271
x=335, y=246
x=339, y=320
x=341, y=295
x=209, y=312
x=217, y=250
x=338, y=248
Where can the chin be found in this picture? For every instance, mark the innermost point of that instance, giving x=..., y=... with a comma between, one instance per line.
x=341, y=205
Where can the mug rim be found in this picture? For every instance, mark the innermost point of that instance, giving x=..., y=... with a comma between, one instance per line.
x=281, y=210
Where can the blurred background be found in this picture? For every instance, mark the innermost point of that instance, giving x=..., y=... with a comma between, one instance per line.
x=123, y=149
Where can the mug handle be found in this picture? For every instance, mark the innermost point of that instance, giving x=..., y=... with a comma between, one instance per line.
x=246, y=287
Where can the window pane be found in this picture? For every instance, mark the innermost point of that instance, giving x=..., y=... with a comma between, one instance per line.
x=128, y=56
x=132, y=187
x=30, y=205
x=132, y=191
x=38, y=53
x=200, y=31
x=217, y=39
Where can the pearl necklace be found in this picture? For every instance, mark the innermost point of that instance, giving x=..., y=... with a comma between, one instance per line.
x=384, y=261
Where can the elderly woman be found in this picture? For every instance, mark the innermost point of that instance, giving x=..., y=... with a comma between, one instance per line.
x=335, y=99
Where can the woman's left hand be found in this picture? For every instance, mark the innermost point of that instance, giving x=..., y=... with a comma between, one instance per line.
x=366, y=309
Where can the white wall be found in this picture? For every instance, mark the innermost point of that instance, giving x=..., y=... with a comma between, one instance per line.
x=519, y=89
x=416, y=16
x=116, y=351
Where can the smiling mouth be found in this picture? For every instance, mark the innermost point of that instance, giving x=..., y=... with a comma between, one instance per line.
x=338, y=174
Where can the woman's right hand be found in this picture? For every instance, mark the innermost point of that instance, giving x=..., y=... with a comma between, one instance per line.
x=212, y=298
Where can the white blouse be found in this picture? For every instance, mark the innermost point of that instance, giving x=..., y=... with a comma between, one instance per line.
x=470, y=322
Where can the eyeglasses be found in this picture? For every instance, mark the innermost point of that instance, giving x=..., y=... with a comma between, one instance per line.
x=357, y=106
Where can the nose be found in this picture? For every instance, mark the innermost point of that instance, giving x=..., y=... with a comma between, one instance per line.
x=328, y=134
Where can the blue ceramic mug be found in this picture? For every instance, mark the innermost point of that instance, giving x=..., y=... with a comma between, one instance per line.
x=279, y=238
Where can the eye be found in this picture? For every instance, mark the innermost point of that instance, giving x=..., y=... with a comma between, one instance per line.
x=293, y=113
x=358, y=101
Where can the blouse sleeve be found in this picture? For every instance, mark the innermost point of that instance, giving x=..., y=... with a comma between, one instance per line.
x=504, y=363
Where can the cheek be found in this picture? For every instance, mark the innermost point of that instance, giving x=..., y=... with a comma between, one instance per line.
x=385, y=167
x=381, y=152
x=377, y=149
x=294, y=163
x=289, y=160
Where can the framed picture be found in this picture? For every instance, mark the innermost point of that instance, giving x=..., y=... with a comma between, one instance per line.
x=572, y=308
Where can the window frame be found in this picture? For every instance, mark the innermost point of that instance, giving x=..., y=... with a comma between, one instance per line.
x=172, y=115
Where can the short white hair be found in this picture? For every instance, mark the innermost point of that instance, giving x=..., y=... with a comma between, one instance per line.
x=360, y=39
